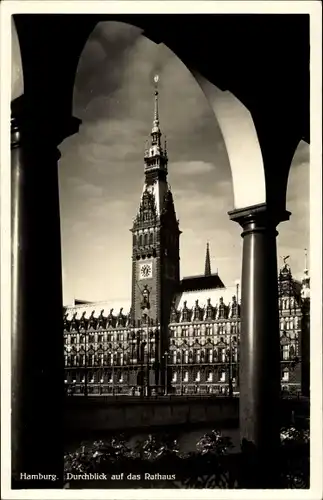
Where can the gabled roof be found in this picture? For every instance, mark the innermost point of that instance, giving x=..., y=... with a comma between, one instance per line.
x=97, y=307
x=190, y=297
x=201, y=282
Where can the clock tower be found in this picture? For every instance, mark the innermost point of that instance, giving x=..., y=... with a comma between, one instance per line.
x=155, y=248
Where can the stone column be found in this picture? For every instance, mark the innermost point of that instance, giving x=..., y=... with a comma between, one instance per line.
x=36, y=315
x=259, y=342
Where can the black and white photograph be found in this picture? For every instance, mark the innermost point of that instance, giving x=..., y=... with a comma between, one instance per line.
x=161, y=275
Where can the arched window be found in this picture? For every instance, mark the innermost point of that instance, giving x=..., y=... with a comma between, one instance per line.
x=198, y=356
x=146, y=239
x=174, y=357
x=223, y=355
x=151, y=238
x=186, y=357
x=285, y=352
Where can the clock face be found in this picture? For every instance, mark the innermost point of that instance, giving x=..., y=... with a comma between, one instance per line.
x=145, y=271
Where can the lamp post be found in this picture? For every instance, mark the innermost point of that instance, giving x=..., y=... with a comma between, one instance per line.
x=148, y=350
x=112, y=371
x=230, y=367
x=165, y=356
x=145, y=322
x=86, y=339
x=181, y=385
x=237, y=283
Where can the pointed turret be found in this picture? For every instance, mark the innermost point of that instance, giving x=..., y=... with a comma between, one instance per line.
x=155, y=131
x=156, y=235
x=306, y=281
x=156, y=160
x=155, y=155
x=207, y=271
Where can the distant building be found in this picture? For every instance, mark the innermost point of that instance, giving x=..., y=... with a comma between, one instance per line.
x=176, y=336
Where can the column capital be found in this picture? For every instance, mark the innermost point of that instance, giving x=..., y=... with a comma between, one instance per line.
x=259, y=217
x=34, y=126
x=15, y=132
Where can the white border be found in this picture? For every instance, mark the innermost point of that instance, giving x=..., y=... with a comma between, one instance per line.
x=314, y=9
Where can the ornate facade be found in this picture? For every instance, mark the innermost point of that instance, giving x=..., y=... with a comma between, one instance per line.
x=177, y=336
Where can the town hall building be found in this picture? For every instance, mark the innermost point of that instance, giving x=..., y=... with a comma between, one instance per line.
x=176, y=336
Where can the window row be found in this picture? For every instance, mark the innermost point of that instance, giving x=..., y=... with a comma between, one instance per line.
x=204, y=377
x=145, y=239
x=177, y=377
x=108, y=376
x=208, y=356
x=205, y=330
x=107, y=360
x=289, y=323
x=287, y=352
x=105, y=337
x=287, y=303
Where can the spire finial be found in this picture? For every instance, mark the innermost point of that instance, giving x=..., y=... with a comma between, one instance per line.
x=305, y=252
x=156, y=114
x=207, y=271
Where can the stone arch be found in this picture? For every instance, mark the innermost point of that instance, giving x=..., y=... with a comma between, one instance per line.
x=237, y=129
x=241, y=141
x=17, y=77
x=300, y=156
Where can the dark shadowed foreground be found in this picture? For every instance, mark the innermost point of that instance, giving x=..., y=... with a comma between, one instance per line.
x=157, y=462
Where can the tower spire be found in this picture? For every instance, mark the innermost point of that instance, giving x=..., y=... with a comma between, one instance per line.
x=155, y=155
x=207, y=271
x=305, y=293
x=155, y=129
x=305, y=257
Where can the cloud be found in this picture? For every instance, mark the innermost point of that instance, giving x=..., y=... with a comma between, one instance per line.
x=294, y=235
x=101, y=171
x=192, y=168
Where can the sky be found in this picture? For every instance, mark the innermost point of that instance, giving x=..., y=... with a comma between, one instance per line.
x=101, y=171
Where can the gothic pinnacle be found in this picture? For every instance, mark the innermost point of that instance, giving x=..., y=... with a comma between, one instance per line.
x=155, y=128
x=207, y=271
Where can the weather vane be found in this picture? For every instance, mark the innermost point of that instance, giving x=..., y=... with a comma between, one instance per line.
x=285, y=258
x=156, y=78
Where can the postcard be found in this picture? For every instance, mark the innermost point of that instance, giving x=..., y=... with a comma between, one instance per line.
x=161, y=254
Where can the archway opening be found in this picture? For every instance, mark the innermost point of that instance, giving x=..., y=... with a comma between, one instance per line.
x=294, y=238
x=100, y=174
